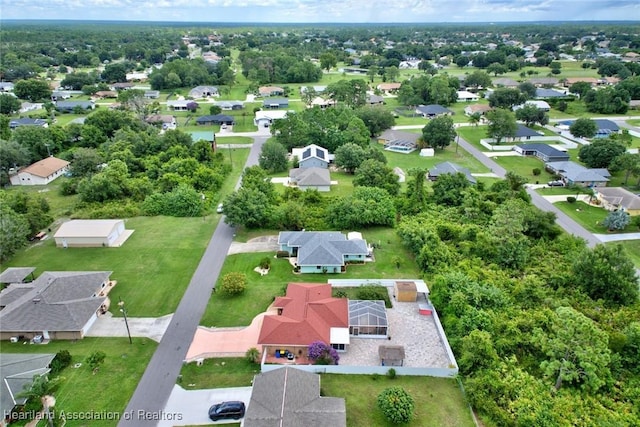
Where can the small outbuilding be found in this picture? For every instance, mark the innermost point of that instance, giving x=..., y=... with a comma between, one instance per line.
x=405, y=291
x=391, y=355
x=87, y=233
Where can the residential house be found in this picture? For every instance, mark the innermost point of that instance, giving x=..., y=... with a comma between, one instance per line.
x=399, y=141
x=41, y=172
x=137, y=76
x=17, y=275
x=523, y=132
x=291, y=397
x=152, y=94
x=122, y=86
x=322, y=251
x=542, y=93
x=540, y=105
x=17, y=371
x=61, y=95
x=481, y=109
x=571, y=80
x=104, y=94
x=605, y=127
x=573, y=173
x=354, y=70
x=315, y=178
x=27, y=121
x=634, y=104
x=543, y=81
x=306, y=314
x=450, y=168
x=312, y=156
x=505, y=82
x=217, y=119
x=25, y=107
x=466, y=96
x=374, y=100
x=270, y=91
x=203, y=92
x=179, y=104
x=275, y=103
x=544, y=152
x=618, y=198
x=6, y=86
x=230, y=105
x=389, y=88
x=92, y=233
x=167, y=121
x=433, y=110
x=57, y=305
x=321, y=103
x=266, y=118
x=71, y=106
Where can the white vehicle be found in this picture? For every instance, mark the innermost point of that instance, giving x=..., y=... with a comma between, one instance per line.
x=220, y=208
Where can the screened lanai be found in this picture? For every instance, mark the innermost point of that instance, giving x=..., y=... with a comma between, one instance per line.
x=367, y=318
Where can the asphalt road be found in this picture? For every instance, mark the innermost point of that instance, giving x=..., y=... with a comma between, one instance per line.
x=146, y=407
x=564, y=221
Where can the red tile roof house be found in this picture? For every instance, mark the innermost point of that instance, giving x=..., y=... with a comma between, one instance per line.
x=307, y=313
x=41, y=172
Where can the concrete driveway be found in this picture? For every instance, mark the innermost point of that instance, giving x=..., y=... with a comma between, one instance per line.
x=190, y=407
x=150, y=327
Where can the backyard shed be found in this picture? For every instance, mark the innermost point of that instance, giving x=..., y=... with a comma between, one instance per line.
x=391, y=355
x=405, y=291
x=86, y=233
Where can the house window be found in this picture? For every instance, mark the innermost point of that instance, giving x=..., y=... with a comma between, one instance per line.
x=318, y=267
x=339, y=347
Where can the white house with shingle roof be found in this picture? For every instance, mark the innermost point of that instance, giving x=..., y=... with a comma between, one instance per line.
x=41, y=172
x=57, y=305
x=311, y=178
x=312, y=156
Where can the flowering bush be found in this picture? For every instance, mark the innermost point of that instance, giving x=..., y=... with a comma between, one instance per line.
x=396, y=404
x=323, y=354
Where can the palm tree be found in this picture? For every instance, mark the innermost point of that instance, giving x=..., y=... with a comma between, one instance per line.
x=42, y=388
x=475, y=118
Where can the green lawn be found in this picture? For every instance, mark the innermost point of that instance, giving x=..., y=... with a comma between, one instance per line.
x=632, y=248
x=439, y=401
x=473, y=135
x=233, y=139
x=524, y=166
x=219, y=372
x=590, y=217
x=240, y=311
x=110, y=389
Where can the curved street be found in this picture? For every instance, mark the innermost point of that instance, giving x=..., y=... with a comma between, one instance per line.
x=146, y=407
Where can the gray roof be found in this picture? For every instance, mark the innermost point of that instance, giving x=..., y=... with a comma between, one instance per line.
x=291, y=397
x=216, y=118
x=543, y=80
x=398, y=135
x=452, y=168
x=69, y=105
x=523, y=131
x=578, y=173
x=367, y=313
x=505, y=82
x=55, y=301
x=605, y=124
x=16, y=373
x=26, y=121
x=433, y=109
x=620, y=197
x=549, y=93
x=322, y=247
x=275, y=101
x=305, y=177
x=546, y=149
x=375, y=99
x=16, y=274
x=315, y=151
x=200, y=91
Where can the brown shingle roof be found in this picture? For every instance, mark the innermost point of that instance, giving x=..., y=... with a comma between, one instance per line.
x=46, y=167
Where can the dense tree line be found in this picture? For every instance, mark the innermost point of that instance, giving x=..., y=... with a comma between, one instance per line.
x=278, y=66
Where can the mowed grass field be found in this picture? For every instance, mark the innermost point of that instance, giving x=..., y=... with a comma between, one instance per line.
x=106, y=391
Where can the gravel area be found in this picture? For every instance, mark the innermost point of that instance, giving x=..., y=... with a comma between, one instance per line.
x=407, y=327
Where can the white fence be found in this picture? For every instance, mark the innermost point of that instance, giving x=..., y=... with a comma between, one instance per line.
x=367, y=370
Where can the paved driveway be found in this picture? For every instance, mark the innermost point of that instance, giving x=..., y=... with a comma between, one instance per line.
x=190, y=407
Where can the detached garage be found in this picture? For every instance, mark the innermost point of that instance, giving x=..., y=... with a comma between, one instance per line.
x=88, y=233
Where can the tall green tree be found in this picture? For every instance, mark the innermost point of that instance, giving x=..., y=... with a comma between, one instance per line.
x=577, y=351
x=502, y=124
x=506, y=98
x=439, y=132
x=32, y=90
x=9, y=104
x=328, y=60
x=601, y=153
x=606, y=272
x=583, y=128
x=373, y=173
x=14, y=229
x=273, y=157
x=349, y=157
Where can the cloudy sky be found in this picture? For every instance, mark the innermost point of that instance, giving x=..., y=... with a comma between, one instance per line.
x=323, y=10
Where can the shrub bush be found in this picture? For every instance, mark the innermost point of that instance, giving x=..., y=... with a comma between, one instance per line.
x=396, y=405
x=536, y=171
x=265, y=263
x=391, y=373
x=571, y=199
x=282, y=254
x=233, y=284
x=323, y=354
x=61, y=361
